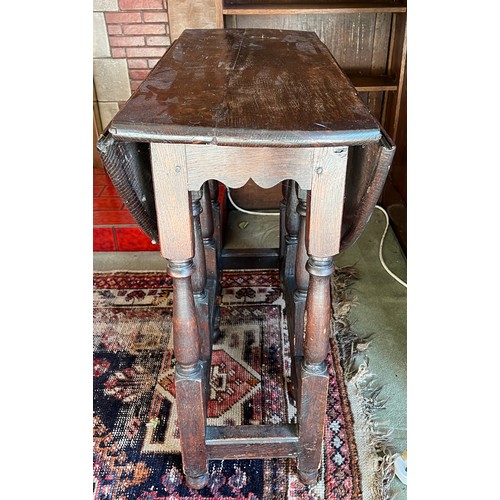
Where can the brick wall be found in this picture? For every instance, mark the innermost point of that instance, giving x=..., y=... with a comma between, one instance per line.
x=129, y=38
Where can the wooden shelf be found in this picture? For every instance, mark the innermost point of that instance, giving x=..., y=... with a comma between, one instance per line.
x=373, y=83
x=242, y=7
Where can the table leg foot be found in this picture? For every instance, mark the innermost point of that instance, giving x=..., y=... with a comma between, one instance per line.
x=215, y=335
x=197, y=482
x=308, y=478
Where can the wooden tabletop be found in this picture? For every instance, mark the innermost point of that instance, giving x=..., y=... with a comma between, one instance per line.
x=250, y=87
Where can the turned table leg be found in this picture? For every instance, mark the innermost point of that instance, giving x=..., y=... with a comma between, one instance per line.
x=199, y=280
x=292, y=223
x=301, y=276
x=313, y=384
x=211, y=252
x=283, y=203
x=207, y=231
x=294, y=240
x=200, y=291
x=189, y=376
x=213, y=188
x=181, y=244
x=182, y=237
x=323, y=233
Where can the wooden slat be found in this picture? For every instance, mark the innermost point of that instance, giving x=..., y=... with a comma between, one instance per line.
x=251, y=441
x=315, y=8
x=376, y=83
x=219, y=14
x=249, y=258
x=397, y=67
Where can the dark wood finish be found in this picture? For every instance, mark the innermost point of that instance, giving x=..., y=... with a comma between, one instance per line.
x=250, y=258
x=358, y=41
x=368, y=40
x=199, y=284
x=216, y=212
x=361, y=35
x=301, y=276
x=252, y=88
x=292, y=219
x=206, y=216
x=282, y=229
x=282, y=209
x=380, y=155
x=292, y=224
x=311, y=414
x=295, y=316
x=185, y=326
x=252, y=441
x=189, y=384
x=314, y=378
x=318, y=304
x=214, y=190
x=212, y=112
x=192, y=417
x=199, y=276
x=210, y=309
x=207, y=232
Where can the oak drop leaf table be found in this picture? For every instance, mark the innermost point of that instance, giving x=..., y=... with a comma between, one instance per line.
x=228, y=106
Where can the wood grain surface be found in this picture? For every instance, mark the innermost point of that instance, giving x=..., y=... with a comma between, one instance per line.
x=173, y=201
x=234, y=166
x=247, y=87
x=326, y=202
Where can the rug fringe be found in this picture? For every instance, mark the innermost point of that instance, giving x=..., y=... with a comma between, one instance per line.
x=373, y=437
x=378, y=436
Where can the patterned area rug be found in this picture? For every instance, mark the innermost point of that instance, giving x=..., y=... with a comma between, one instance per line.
x=136, y=442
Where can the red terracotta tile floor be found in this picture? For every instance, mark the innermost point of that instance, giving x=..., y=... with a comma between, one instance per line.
x=115, y=230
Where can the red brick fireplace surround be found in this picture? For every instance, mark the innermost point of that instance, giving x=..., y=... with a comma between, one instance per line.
x=115, y=230
x=138, y=32
x=130, y=36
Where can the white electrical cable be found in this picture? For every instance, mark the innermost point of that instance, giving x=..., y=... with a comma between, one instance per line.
x=247, y=211
x=381, y=258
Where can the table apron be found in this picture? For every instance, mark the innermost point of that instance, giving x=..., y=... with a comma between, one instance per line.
x=235, y=166
x=179, y=169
